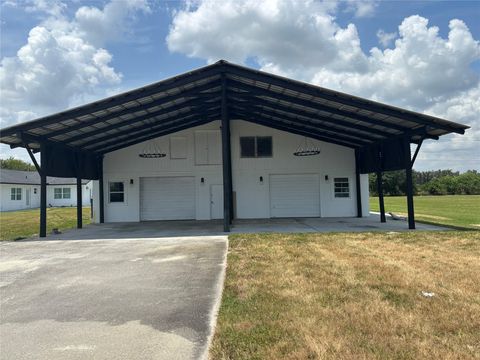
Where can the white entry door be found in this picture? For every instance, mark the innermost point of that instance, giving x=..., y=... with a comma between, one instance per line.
x=167, y=198
x=216, y=201
x=294, y=195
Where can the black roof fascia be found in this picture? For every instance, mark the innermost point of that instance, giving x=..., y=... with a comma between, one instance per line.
x=127, y=111
x=161, y=86
x=342, y=98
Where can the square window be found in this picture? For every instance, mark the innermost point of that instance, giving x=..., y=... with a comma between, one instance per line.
x=116, y=186
x=247, y=146
x=255, y=146
x=264, y=146
x=16, y=194
x=341, y=187
x=57, y=193
x=116, y=191
x=66, y=193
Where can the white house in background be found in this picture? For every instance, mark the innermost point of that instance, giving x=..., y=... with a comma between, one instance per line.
x=269, y=181
x=20, y=190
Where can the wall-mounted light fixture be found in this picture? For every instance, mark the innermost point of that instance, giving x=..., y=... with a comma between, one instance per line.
x=202, y=180
x=131, y=181
x=261, y=179
x=326, y=177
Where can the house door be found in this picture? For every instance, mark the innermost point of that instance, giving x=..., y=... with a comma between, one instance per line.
x=27, y=196
x=216, y=201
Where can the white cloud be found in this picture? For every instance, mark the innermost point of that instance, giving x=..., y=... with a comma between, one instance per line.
x=98, y=26
x=299, y=37
x=384, y=38
x=61, y=63
x=423, y=71
x=362, y=8
x=64, y=61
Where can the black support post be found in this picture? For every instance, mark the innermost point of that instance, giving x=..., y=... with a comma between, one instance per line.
x=380, y=197
x=357, y=181
x=226, y=161
x=79, y=202
x=409, y=179
x=43, y=191
x=101, y=200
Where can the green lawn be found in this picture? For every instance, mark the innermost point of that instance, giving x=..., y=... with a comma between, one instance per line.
x=454, y=210
x=25, y=223
x=350, y=296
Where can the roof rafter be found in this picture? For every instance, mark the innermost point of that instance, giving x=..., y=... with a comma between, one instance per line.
x=337, y=97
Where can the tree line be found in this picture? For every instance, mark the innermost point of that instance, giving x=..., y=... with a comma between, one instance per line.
x=438, y=182
x=16, y=164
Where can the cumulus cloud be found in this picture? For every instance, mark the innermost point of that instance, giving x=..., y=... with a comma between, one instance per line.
x=362, y=8
x=384, y=38
x=422, y=71
x=63, y=60
x=299, y=37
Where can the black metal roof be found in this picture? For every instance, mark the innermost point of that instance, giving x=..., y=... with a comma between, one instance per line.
x=194, y=98
x=19, y=177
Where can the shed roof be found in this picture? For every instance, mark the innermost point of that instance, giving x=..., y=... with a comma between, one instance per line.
x=194, y=98
x=19, y=177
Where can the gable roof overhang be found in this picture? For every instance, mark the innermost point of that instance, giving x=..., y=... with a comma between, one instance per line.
x=194, y=98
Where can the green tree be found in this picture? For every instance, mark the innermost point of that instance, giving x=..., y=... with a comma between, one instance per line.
x=16, y=164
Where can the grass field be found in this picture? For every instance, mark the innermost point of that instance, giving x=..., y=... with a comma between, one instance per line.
x=454, y=210
x=351, y=296
x=25, y=223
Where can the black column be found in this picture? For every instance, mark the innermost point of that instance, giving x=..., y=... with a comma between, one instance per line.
x=409, y=179
x=380, y=196
x=226, y=160
x=101, y=201
x=357, y=181
x=79, y=202
x=43, y=191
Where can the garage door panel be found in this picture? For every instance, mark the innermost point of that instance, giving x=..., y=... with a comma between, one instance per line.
x=167, y=198
x=294, y=195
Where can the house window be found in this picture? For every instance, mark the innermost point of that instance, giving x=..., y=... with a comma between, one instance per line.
x=341, y=187
x=66, y=193
x=61, y=193
x=255, y=146
x=116, y=192
x=16, y=194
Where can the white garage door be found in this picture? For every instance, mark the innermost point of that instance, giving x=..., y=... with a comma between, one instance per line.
x=167, y=198
x=294, y=195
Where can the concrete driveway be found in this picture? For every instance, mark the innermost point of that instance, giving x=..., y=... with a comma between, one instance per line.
x=110, y=299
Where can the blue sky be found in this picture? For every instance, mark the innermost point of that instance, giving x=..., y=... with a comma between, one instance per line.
x=328, y=44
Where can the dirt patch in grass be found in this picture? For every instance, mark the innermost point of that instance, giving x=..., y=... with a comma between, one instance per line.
x=345, y=296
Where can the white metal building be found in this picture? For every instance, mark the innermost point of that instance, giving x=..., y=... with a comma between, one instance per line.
x=187, y=182
x=219, y=142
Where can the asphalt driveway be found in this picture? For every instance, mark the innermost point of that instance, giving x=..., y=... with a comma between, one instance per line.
x=109, y=299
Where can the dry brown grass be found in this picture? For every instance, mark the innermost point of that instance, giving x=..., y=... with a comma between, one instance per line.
x=351, y=296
